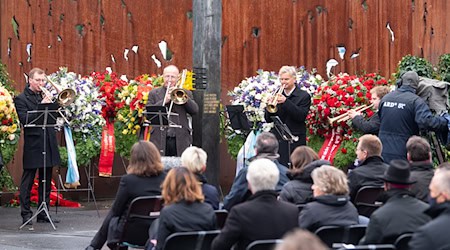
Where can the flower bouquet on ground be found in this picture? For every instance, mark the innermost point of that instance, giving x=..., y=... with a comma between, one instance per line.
x=130, y=117
x=85, y=121
x=109, y=87
x=336, y=97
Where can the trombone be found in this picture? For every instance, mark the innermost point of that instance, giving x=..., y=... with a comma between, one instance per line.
x=272, y=106
x=65, y=96
x=344, y=117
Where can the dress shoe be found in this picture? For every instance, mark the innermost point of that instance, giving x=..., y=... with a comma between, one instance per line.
x=90, y=248
x=46, y=220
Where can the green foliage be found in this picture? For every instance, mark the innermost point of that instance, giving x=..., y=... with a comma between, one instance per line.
x=6, y=181
x=235, y=139
x=123, y=142
x=315, y=142
x=444, y=67
x=413, y=63
x=6, y=80
x=86, y=149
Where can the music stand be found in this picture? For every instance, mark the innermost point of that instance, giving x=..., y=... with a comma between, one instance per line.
x=157, y=116
x=45, y=116
x=284, y=132
x=239, y=121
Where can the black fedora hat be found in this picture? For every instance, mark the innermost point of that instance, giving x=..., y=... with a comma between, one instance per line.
x=398, y=172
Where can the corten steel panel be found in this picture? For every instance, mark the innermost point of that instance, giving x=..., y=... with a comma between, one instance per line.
x=90, y=32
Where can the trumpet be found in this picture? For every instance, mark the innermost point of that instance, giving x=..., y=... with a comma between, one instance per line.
x=178, y=95
x=65, y=96
x=344, y=117
x=272, y=106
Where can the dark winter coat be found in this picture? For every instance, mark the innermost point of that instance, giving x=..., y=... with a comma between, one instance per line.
x=239, y=190
x=328, y=210
x=402, y=114
x=183, y=134
x=298, y=189
x=209, y=191
x=434, y=234
x=401, y=213
x=293, y=113
x=34, y=136
x=261, y=217
x=184, y=217
x=422, y=172
x=369, y=173
x=369, y=126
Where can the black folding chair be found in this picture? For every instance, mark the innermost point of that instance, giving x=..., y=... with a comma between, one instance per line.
x=369, y=247
x=141, y=213
x=199, y=240
x=221, y=217
x=401, y=243
x=264, y=244
x=365, y=200
x=338, y=234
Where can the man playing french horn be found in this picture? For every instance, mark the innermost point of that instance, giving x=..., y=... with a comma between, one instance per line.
x=292, y=107
x=173, y=141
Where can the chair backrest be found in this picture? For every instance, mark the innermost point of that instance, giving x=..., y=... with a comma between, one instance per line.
x=401, y=243
x=141, y=213
x=370, y=247
x=199, y=240
x=338, y=234
x=221, y=217
x=264, y=244
x=365, y=199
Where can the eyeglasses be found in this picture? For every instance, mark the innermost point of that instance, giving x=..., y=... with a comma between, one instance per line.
x=39, y=80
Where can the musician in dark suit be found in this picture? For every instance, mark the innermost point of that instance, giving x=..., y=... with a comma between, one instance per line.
x=33, y=146
x=172, y=141
x=292, y=108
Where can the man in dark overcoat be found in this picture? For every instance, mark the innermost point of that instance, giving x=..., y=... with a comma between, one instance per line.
x=262, y=216
x=292, y=108
x=401, y=212
x=172, y=141
x=33, y=146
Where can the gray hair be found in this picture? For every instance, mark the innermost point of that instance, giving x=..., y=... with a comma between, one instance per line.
x=262, y=174
x=288, y=69
x=266, y=142
x=194, y=159
x=330, y=180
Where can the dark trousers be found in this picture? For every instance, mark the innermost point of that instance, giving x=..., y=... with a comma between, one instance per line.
x=171, y=146
x=25, y=190
x=102, y=234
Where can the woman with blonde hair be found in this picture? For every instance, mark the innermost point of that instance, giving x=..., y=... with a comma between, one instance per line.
x=184, y=209
x=332, y=206
x=144, y=177
x=194, y=159
x=298, y=190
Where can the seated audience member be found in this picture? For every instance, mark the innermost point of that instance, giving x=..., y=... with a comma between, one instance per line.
x=372, y=125
x=144, y=177
x=298, y=190
x=401, y=212
x=262, y=216
x=301, y=240
x=184, y=209
x=195, y=160
x=422, y=170
x=266, y=147
x=434, y=234
x=331, y=205
x=371, y=167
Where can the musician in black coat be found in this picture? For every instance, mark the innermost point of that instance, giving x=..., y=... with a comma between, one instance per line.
x=292, y=108
x=262, y=216
x=33, y=146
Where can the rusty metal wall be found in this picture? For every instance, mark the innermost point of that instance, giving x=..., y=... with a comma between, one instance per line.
x=256, y=34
